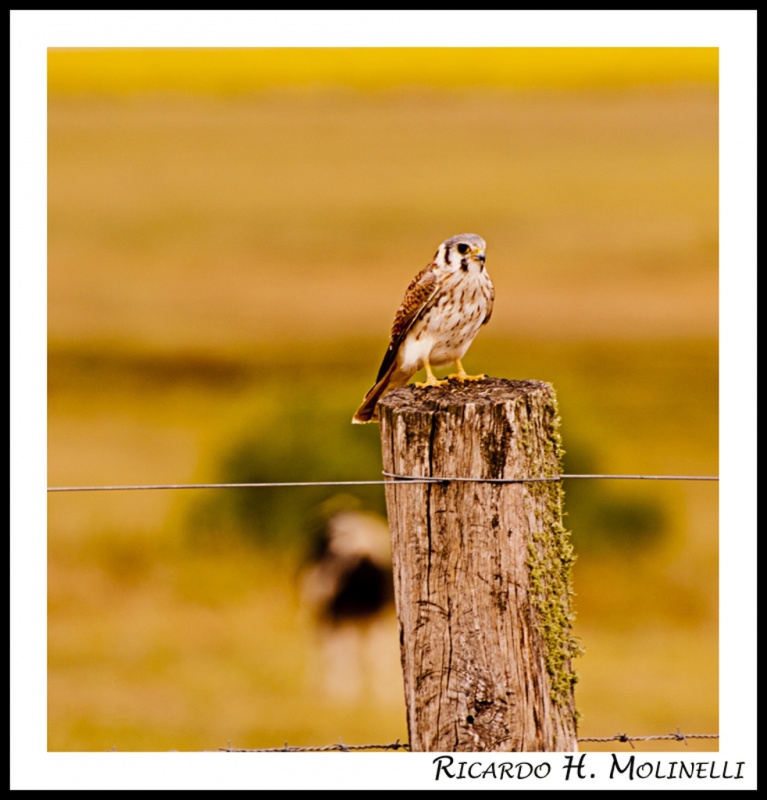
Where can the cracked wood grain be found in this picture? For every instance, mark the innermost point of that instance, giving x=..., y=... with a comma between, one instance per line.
x=481, y=571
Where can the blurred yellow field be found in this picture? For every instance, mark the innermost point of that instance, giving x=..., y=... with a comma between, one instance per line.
x=224, y=266
x=223, y=71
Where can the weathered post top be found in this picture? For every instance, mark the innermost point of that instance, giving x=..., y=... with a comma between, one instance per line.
x=481, y=568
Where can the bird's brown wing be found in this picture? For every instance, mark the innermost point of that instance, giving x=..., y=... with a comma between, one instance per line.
x=490, y=301
x=418, y=297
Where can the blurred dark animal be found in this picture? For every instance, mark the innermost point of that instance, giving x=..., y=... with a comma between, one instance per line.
x=347, y=589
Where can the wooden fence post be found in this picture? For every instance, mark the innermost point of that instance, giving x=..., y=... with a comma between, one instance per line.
x=481, y=569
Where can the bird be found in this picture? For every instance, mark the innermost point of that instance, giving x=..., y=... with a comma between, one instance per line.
x=444, y=307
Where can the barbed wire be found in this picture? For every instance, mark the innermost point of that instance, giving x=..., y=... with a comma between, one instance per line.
x=340, y=747
x=348, y=748
x=624, y=737
x=390, y=478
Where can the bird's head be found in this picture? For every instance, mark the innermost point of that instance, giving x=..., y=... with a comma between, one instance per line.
x=461, y=252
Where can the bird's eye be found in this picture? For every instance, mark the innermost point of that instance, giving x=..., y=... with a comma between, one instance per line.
x=463, y=248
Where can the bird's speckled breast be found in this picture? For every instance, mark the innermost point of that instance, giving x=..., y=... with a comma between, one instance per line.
x=446, y=330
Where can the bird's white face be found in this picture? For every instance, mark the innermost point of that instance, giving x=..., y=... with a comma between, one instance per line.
x=463, y=252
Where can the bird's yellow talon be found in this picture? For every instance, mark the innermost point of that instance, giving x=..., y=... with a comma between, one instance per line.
x=431, y=378
x=462, y=377
x=427, y=384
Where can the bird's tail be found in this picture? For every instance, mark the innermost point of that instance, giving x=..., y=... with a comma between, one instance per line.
x=392, y=379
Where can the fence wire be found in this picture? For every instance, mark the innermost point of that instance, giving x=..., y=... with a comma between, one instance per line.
x=389, y=479
x=404, y=746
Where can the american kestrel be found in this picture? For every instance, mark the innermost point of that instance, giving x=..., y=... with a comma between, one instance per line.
x=443, y=309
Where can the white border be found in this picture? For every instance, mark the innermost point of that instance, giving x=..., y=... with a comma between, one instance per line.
x=32, y=32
